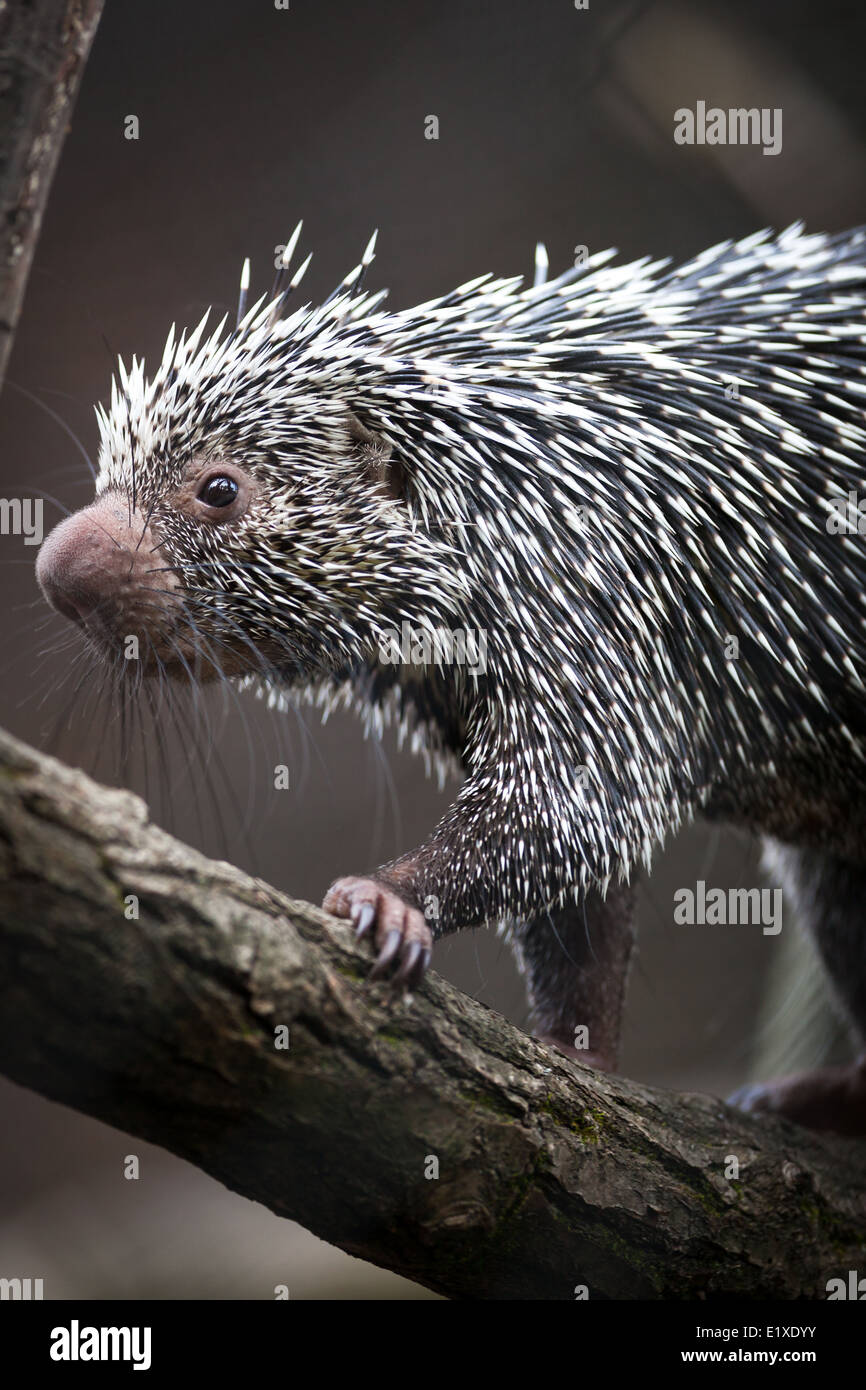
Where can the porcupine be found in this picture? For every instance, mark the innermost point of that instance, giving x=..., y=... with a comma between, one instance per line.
x=609, y=474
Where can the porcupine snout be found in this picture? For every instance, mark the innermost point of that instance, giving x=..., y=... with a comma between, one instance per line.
x=98, y=568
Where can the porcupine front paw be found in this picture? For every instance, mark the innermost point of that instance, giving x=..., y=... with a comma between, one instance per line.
x=399, y=931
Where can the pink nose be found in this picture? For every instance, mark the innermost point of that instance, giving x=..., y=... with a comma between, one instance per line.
x=99, y=564
x=84, y=559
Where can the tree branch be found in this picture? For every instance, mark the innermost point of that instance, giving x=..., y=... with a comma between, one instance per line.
x=550, y=1175
x=43, y=50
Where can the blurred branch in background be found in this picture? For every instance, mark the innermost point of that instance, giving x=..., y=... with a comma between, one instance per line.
x=43, y=50
x=672, y=54
x=182, y=1001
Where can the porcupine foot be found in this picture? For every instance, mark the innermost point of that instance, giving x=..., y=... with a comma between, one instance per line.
x=831, y=1098
x=826, y=892
x=399, y=931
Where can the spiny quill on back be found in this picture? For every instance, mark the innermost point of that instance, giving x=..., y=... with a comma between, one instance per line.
x=626, y=479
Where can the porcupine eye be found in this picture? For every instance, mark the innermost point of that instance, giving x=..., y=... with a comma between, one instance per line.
x=221, y=494
x=218, y=491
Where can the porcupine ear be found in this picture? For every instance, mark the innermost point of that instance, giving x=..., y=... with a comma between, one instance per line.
x=377, y=458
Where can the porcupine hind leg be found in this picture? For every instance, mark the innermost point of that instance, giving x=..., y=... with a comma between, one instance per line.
x=828, y=896
x=576, y=962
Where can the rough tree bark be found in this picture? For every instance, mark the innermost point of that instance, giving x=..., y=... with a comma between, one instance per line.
x=43, y=49
x=550, y=1176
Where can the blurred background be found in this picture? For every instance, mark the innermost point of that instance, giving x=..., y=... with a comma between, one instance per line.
x=554, y=123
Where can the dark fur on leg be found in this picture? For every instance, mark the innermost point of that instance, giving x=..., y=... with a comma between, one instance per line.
x=576, y=961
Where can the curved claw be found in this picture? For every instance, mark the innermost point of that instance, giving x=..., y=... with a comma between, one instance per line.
x=745, y=1096
x=404, y=976
x=423, y=964
x=363, y=915
x=386, y=955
